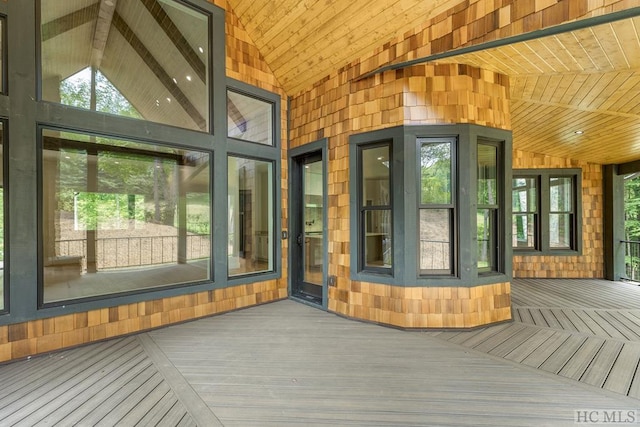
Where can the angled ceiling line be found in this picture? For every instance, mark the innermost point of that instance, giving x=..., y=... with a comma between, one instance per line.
x=549, y=31
x=177, y=38
x=101, y=33
x=157, y=69
x=234, y=113
x=69, y=21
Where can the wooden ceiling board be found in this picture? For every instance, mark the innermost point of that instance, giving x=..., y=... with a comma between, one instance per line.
x=304, y=41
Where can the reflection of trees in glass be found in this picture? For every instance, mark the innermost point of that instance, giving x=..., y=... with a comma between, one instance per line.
x=435, y=162
x=76, y=91
x=632, y=224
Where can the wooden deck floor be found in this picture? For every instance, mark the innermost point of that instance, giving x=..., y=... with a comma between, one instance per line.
x=289, y=364
x=585, y=330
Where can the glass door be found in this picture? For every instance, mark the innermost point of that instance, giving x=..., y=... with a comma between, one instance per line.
x=309, y=259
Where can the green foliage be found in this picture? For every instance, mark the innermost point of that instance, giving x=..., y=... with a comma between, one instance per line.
x=76, y=91
x=632, y=208
x=435, y=171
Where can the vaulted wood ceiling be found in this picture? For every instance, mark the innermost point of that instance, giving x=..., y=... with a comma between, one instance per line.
x=586, y=80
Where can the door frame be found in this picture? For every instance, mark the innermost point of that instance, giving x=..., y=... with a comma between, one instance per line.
x=295, y=217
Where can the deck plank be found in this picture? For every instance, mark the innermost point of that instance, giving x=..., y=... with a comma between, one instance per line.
x=623, y=370
x=532, y=344
x=598, y=370
x=556, y=361
x=582, y=358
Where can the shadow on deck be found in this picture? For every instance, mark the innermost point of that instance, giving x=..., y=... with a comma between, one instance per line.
x=286, y=363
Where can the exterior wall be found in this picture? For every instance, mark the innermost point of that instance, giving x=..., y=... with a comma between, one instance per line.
x=425, y=94
x=24, y=339
x=591, y=263
x=473, y=22
x=336, y=107
x=424, y=307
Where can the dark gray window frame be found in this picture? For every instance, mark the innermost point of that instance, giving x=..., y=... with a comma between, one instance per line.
x=259, y=94
x=5, y=163
x=499, y=209
x=453, y=205
x=406, y=209
x=543, y=177
x=25, y=114
x=363, y=210
x=262, y=152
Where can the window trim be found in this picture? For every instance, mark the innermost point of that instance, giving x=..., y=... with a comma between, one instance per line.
x=543, y=177
x=498, y=210
x=275, y=218
x=452, y=206
x=254, y=92
x=362, y=209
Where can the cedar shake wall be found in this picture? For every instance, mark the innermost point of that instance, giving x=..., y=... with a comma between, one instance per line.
x=591, y=263
x=243, y=63
x=424, y=94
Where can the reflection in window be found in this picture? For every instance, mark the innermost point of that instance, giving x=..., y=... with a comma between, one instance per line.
x=561, y=212
x=2, y=246
x=436, y=207
x=3, y=78
x=249, y=118
x=376, y=207
x=121, y=216
x=126, y=56
x=525, y=212
x=487, y=214
x=250, y=202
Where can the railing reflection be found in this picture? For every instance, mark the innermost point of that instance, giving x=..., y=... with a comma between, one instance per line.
x=121, y=252
x=632, y=259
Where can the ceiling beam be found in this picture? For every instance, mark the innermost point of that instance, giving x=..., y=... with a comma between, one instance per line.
x=175, y=35
x=68, y=22
x=101, y=34
x=235, y=115
x=548, y=31
x=157, y=69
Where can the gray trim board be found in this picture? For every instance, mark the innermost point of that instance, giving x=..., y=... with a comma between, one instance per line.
x=405, y=205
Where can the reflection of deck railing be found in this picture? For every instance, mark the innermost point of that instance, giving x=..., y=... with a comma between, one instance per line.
x=119, y=252
x=632, y=259
x=434, y=255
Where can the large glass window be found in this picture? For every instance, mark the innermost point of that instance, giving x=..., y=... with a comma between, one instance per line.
x=375, y=207
x=561, y=212
x=249, y=118
x=546, y=220
x=3, y=296
x=120, y=216
x=250, y=202
x=437, y=204
x=141, y=59
x=525, y=212
x=488, y=207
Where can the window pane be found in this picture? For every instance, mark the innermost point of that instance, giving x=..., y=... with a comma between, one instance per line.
x=486, y=240
x=435, y=171
x=560, y=194
x=2, y=67
x=2, y=295
x=377, y=249
x=435, y=241
x=250, y=202
x=249, y=118
x=121, y=216
x=524, y=233
x=375, y=173
x=560, y=226
x=487, y=174
x=148, y=60
x=524, y=195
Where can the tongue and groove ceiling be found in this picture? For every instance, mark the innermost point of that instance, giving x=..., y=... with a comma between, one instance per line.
x=585, y=80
